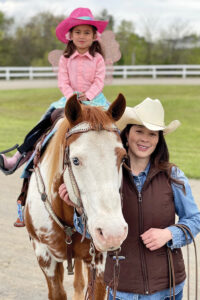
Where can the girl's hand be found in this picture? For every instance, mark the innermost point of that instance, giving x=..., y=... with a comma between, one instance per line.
x=82, y=97
x=155, y=238
x=63, y=193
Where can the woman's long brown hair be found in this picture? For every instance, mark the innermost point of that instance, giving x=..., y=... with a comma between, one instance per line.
x=95, y=47
x=159, y=158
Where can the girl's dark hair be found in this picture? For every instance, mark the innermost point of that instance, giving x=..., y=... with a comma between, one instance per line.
x=159, y=158
x=95, y=47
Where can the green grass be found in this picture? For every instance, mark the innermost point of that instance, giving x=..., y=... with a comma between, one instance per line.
x=21, y=109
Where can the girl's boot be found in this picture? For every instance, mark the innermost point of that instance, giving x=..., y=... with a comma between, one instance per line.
x=9, y=164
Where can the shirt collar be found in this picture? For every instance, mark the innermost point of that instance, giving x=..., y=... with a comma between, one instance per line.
x=145, y=172
x=86, y=54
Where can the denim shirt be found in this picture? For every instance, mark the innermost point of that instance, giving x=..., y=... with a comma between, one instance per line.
x=188, y=214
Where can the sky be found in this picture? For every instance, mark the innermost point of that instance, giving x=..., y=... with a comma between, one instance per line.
x=155, y=14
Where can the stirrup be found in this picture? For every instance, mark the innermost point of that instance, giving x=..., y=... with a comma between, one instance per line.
x=10, y=149
x=11, y=171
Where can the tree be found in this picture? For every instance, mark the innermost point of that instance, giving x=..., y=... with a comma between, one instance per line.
x=5, y=39
x=131, y=45
x=104, y=15
x=36, y=39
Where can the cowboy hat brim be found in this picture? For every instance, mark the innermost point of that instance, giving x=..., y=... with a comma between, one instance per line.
x=131, y=117
x=63, y=28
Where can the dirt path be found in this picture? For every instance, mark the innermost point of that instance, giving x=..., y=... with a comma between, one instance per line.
x=20, y=276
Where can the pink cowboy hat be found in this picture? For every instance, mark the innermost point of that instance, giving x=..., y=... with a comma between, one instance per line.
x=79, y=16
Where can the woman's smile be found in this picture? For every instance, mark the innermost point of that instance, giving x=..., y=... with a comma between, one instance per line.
x=143, y=147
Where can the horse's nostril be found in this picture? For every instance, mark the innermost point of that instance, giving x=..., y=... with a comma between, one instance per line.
x=100, y=231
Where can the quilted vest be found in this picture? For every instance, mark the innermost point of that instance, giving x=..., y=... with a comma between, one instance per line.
x=144, y=271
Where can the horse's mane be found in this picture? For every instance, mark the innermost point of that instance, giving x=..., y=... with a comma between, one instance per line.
x=97, y=118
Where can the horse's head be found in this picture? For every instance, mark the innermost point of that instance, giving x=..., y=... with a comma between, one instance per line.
x=93, y=173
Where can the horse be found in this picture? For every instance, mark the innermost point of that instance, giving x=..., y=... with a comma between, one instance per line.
x=85, y=153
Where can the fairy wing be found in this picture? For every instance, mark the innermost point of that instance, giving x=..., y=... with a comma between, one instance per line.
x=54, y=57
x=111, y=51
x=110, y=47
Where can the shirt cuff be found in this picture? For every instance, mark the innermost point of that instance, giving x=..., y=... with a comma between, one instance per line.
x=78, y=224
x=178, y=238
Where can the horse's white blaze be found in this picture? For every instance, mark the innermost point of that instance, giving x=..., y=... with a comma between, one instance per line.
x=99, y=180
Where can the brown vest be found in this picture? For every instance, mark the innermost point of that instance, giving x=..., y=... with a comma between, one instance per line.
x=144, y=271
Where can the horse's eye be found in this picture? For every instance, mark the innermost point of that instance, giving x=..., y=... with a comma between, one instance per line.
x=75, y=161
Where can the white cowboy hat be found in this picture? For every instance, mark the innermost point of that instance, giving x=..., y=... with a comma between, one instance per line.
x=149, y=113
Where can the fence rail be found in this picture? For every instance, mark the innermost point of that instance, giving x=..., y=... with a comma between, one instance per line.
x=153, y=71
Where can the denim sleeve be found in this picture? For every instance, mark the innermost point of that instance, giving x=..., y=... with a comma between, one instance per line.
x=78, y=224
x=186, y=210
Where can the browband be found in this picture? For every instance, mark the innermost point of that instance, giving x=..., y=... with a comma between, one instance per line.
x=85, y=127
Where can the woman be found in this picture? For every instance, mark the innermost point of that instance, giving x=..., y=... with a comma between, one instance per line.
x=154, y=190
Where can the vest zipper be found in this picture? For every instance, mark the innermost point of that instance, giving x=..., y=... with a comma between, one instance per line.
x=144, y=268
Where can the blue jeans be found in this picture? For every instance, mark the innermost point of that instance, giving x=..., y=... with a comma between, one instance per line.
x=179, y=296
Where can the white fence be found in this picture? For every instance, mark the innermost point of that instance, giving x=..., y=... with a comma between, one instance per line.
x=153, y=71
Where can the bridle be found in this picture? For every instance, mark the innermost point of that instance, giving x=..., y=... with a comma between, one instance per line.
x=67, y=165
x=69, y=231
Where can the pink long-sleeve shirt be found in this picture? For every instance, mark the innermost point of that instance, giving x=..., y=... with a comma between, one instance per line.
x=83, y=73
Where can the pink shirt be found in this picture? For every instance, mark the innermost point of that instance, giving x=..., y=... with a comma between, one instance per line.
x=83, y=73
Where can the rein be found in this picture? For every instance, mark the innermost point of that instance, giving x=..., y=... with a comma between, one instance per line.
x=185, y=230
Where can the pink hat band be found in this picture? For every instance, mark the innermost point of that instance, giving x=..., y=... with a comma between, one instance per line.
x=79, y=16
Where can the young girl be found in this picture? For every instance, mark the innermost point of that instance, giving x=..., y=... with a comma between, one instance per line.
x=81, y=71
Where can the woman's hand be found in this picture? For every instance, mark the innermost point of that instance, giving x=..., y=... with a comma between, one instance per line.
x=63, y=193
x=155, y=238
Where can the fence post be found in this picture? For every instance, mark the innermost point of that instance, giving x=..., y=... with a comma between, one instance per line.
x=184, y=74
x=124, y=72
x=154, y=75
x=30, y=73
x=7, y=74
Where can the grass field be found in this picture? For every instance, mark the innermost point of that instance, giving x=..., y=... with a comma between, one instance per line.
x=21, y=109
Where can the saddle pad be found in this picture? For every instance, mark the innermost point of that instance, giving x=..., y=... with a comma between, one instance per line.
x=29, y=165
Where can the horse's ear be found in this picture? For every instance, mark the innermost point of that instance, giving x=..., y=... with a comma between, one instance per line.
x=117, y=108
x=73, y=110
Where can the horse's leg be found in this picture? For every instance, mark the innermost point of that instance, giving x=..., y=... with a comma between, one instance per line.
x=100, y=287
x=79, y=282
x=53, y=271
